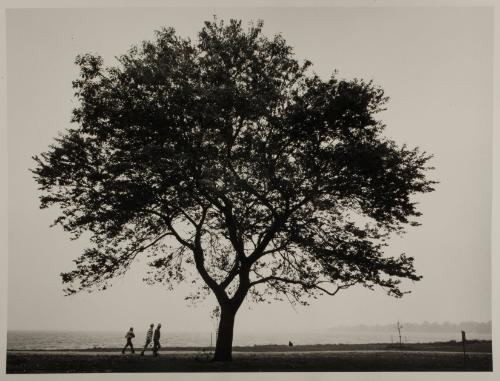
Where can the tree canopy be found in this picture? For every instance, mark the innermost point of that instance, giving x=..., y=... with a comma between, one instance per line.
x=271, y=180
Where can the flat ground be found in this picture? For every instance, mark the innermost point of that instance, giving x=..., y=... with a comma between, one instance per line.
x=272, y=358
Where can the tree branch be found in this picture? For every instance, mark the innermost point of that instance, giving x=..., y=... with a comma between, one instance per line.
x=302, y=283
x=232, y=225
x=178, y=237
x=277, y=248
x=267, y=237
x=251, y=190
x=199, y=259
x=173, y=231
x=231, y=275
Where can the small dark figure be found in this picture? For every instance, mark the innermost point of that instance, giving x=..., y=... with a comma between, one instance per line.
x=290, y=344
x=129, y=336
x=156, y=340
x=149, y=338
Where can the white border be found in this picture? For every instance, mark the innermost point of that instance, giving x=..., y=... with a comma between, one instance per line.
x=455, y=376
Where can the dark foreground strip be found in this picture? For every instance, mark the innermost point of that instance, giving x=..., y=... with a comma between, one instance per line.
x=369, y=361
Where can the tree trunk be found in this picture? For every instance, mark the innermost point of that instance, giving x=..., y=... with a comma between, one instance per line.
x=224, y=345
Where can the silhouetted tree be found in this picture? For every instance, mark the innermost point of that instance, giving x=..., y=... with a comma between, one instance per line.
x=273, y=181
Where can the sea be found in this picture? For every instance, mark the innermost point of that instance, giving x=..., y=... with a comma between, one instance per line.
x=60, y=340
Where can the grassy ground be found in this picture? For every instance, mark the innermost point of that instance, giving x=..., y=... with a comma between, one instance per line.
x=325, y=358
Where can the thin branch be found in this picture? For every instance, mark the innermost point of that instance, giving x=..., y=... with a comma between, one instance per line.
x=278, y=248
x=188, y=217
x=301, y=283
x=267, y=237
x=174, y=232
x=178, y=237
x=232, y=225
x=252, y=190
x=152, y=243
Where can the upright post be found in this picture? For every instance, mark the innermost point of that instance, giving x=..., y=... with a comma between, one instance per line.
x=399, y=332
x=463, y=345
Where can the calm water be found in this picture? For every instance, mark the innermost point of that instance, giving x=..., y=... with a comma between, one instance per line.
x=102, y=339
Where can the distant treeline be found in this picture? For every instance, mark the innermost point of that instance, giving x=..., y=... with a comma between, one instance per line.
x=468, y=326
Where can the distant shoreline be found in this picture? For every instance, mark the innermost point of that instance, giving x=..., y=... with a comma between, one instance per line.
x=65, y=340
x=454, y=346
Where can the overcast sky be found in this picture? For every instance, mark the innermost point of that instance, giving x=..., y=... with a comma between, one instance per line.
x=435, y=64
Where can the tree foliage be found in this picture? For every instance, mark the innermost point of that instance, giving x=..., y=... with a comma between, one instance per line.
x=271, y=180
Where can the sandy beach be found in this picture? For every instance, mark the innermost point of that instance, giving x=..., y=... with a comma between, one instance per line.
x=269, y=358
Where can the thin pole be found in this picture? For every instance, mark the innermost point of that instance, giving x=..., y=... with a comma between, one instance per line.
x=399, y=332
x=463, y=344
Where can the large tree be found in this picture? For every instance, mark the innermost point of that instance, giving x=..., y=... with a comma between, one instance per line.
x=272, y=181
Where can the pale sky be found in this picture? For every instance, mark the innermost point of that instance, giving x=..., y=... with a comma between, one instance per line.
x=436, y=65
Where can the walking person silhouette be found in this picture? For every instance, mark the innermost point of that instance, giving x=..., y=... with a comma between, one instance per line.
x=129, y=336
x=149, y=338
x=156, y=340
